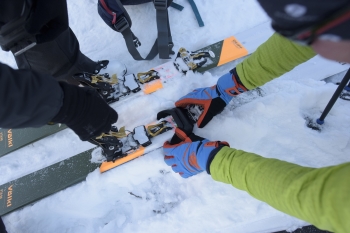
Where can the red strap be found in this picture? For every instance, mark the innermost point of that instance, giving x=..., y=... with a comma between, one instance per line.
x=104, y=5
x=334, y=23
x=327, y=26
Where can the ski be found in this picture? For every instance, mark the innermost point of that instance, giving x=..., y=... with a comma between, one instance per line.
x=120, y=87
x=116, y=88
x=139, y=141
x=14, y=139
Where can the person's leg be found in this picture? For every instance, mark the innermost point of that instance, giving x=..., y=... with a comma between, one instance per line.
x=60, y=58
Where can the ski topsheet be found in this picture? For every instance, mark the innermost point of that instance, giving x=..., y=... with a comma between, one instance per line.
x=224, y=51
x=13, y=139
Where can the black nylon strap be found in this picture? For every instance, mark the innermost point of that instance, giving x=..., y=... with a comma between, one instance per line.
x=132, y=43
x=163, y=45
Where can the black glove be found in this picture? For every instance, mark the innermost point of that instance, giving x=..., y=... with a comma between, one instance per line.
x=47, y=19
x=85, y=112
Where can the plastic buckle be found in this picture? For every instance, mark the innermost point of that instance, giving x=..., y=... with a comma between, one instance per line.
x=160, y=4
x=121, y=24
x=171, y=46
x=136, y=41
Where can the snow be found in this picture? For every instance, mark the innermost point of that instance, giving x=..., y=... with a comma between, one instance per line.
x=145, y=195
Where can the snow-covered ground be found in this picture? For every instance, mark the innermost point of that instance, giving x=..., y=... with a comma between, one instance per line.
x=145, y=195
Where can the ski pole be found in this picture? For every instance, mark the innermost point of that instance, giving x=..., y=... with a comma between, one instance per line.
x=334, y=98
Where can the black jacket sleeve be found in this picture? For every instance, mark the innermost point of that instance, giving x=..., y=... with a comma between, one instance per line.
x=27, y=98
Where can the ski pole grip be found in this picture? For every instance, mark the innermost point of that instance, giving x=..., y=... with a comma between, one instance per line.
x=180, y=118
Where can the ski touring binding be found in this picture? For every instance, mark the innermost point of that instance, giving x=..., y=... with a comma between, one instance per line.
x=110, y=144
x=143, y=134
x=186, y=60
x=111, y=88
x=194, y=112
x=118, y=144
x=180, y=117
x=148, y=76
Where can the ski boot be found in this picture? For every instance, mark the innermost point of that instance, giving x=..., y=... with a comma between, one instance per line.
x=112, y=147
x=186, y=60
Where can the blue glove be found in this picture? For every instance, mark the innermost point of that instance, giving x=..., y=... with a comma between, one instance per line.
x=213, y=99
x=190, y=155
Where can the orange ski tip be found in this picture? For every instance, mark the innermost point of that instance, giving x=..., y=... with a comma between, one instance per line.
x=231, y=50
x=152, y=86
x=105, y=166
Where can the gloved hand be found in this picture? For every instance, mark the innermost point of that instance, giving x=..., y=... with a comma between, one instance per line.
x=47, y=20
x=85, y=112
x=213, y=99
x=190, y=155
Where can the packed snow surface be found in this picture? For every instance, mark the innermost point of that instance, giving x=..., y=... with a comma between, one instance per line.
x=145, y=195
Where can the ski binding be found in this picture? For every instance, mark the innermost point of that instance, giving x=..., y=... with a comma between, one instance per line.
x=194, y=112
x=148, y=76
x=186, y=60
x=111, y=88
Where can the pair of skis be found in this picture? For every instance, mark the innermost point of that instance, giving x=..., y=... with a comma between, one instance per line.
x=49, y=180
x=122, y=87
x=143, y=139
x=34, y=186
